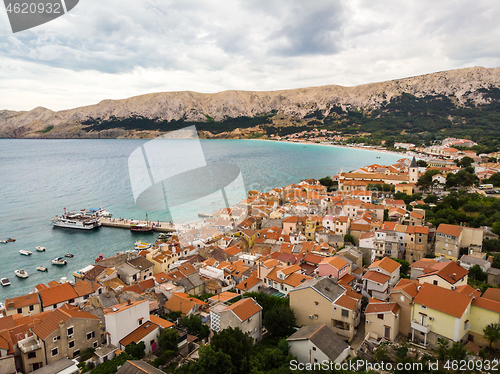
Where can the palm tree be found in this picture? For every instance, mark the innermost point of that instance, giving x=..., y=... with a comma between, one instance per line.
x=492, y=333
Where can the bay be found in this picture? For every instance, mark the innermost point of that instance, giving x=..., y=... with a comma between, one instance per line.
x=39, y=178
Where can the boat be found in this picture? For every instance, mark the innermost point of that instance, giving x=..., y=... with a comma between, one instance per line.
x=3, y=241
x=138, y=245
x=70, y=255
x=100, y=258
x=26, y=253
x=41, y=268
x=21, y=273
x=205, y=215
x=40, y=249
x=5, y=282
x=11, y=240
x=141, y=227
x=78, y=220
x=101, y=212
x=59, y=261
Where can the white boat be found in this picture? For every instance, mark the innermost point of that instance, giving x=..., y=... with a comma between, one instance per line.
x=79, y=220
x=40, y=249
x=5, y=282
x=59, y=261
x=41, y=268
x=3, y=241
x=21, y=273
x=26, y=253
x=101, y=212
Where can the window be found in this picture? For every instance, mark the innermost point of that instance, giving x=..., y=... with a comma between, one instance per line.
x=55, y=352
x=56, y=338
x=90, y=335
x=345, y=313
x=435, y=283
x=380, y=316
x=424, y=307
x=314, y=348
x=32, y=308
x=19, y=310
x=71, y=344
x=316, y=303
x=71, y=330
x=402, y=298
x=32, y=355
x=72, y=301
x=76, y=352
x=95, y=344
x=152, y=342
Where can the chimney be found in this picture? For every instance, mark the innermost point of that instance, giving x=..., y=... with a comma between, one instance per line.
x=129, y=302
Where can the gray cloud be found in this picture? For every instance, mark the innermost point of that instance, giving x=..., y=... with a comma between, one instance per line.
x=120, y=48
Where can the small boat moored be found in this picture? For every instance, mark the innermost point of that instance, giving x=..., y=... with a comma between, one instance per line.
x=26, y=253
x=59, y=261
x=41, y=268
x=21, y=273
x=70, y=255
x=40, y=249
x=5, y=282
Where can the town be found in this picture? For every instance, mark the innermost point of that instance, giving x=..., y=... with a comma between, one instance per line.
x=359, y=265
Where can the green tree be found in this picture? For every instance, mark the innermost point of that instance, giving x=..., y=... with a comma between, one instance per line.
x=279, y=321
x=405, y=265
x=457, y=351
x=167, y=340
x=442, y=345
x=492, y=333
x=213, y=361
x=136, y=350
x=425, y=181
x=466, y=162
x=326, y=181
x=422, y=163
x=475, y=272
x=236, y=344
x=348, y=238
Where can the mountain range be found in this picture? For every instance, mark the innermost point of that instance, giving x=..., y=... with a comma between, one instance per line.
x=442, y=102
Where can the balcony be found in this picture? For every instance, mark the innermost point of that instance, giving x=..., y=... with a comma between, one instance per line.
x=419, y=327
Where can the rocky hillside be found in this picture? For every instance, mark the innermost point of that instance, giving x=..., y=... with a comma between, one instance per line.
x=244, y=113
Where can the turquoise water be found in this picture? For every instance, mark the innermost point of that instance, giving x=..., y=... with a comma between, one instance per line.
x=39, y=178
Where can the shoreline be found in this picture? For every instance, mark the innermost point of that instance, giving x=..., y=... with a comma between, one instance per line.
x=333, y=145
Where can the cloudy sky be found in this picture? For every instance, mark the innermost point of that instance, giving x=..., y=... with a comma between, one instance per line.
x=115, y=49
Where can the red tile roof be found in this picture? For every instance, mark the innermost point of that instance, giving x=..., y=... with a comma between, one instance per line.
x=376, y=277
x=386, y=264
x=161, y=322
x=21, y=301
x=484, y=303
x=244, y=309
x=382, y=308
x=57, y=294
x=441, y=299
x=51, y=321
x=492, y=294
x=452, y=230
x=139, y=333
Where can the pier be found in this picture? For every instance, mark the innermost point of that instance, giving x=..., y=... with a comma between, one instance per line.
x=126, y=223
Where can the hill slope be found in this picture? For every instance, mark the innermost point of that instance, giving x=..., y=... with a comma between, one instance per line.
x=427, y=103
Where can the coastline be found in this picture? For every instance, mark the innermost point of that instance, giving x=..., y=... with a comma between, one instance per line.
x=402, y=154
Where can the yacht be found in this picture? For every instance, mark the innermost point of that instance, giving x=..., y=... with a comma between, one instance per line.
x=78, y=220
x=26, y=253
x=5, y=282
x=59, y=261
x=21, y=273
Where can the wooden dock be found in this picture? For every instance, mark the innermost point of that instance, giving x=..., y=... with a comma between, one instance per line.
x=126, y=223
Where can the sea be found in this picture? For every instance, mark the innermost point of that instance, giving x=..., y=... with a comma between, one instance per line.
x=40, y=178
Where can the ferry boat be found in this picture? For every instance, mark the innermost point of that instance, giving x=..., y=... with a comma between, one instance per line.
x=77, y=220
x=26, y=253
x=40, y=249
x=21, y=273
x=59, y=261
x=41, y=268
x=5, y=282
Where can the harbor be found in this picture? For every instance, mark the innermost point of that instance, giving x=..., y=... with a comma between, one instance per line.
x=123, y=223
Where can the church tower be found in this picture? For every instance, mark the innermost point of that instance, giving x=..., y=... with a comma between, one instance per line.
x=413, y=171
